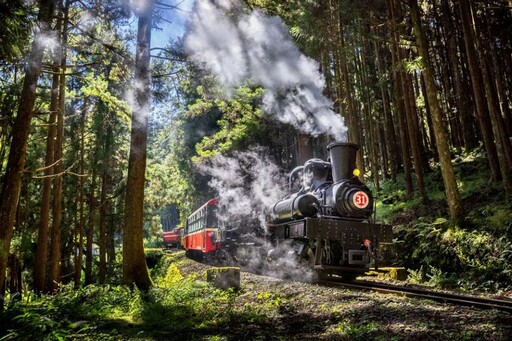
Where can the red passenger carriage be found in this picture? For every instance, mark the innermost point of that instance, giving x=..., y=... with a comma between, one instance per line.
x=201, y=235
x=172, y=239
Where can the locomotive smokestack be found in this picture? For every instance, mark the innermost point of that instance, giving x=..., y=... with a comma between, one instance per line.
x=343, y=159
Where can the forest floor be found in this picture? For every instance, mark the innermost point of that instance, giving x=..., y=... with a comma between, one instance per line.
x=182, y=306
x=266, y=308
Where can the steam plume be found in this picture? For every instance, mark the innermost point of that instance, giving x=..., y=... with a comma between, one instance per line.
x=258, y=47
x=248, y=184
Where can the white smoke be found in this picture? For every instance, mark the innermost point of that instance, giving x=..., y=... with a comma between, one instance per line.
x=138, y=86
x=86, y=21
x=48, y=40
x=248, y=183
x=257, y=47
x=140, y=5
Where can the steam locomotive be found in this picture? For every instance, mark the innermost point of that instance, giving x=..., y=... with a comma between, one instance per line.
x=329, y=217
x=326, y=223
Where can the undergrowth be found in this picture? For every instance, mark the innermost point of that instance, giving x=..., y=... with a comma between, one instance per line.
x=473, y=255
x=177, y=307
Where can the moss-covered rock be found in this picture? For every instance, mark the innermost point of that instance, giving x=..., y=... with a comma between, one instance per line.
x=224, y=278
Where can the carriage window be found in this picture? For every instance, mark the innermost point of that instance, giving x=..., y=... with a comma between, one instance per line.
x=212, y=219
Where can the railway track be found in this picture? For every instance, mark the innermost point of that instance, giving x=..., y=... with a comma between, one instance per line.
x=457, y=299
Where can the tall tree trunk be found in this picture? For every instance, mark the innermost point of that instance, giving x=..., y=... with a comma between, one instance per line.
x=505, y=104
x=399, y=102
x=433, y=144
x=443, y=148
x=16, y=162
x=111, y=247
x=55, y=236
x=410, y=120
x=102, y=238
x=80, y=230
x=413, y=131
x=503, y=142
x=392, y=146
x=344, y=84
x=478, y=92
x=55, y=241
x=461, y=97
x=134, y=262
x=90, y=228
x=14, y=264
x=304, y=150
x=40, y=264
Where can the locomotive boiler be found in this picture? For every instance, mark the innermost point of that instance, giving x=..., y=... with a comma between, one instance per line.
x=329, y=219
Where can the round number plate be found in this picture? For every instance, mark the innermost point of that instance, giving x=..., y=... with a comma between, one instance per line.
x=360, y=199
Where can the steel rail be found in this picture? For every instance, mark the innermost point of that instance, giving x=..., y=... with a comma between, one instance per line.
x=457, y=299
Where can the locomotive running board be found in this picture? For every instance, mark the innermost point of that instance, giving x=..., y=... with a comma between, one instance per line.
x=349, y=231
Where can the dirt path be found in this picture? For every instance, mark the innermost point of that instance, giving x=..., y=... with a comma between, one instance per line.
x=296, y=310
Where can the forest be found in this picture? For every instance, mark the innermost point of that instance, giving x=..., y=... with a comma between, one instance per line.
x=120, y=118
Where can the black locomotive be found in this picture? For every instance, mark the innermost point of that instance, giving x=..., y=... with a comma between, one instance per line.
x=328, y=220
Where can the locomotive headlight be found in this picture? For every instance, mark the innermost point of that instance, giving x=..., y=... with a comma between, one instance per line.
x=356, y=172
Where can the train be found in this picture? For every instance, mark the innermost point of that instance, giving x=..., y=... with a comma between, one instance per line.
x=325, y=224
x=172, y=239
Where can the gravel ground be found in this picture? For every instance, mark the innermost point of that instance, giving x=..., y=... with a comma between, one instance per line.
x=307, y=311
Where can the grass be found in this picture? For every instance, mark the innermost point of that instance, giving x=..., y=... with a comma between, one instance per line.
x=185, y=307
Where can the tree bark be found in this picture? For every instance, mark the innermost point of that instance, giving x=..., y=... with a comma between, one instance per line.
x=413, y=131
x=135, y=270
x=102, y=238
x=16, y=161
x=81, y=220
x=345, y=90
x=399, y=102
x=55, y=241
x=40, y=264
x=304, y=150
x=503, y=142
x=390, y=134
x=443, y=148
x=461, y=97
x=90, y=229
x=479, y=96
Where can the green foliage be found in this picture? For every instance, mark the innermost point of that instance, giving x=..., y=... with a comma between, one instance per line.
x=475, y=255
x=179, y=304
x=416, y=276
x=357, y=331
x=99, y=87
x=153, y=256
x=15, y=23
x=172, y=276
x=239, y=124
x=70, y=312
x=455, y=257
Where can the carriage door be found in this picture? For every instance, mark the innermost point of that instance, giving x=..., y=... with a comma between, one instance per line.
x=204, y=222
